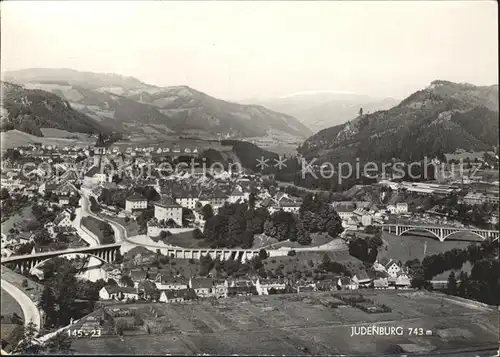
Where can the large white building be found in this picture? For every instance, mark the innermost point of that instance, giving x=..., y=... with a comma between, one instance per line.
x=167, y=209
x=135, y=202
x=480, y=198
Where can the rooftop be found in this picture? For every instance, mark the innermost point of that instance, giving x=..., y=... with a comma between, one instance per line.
x=136, y=197
x=168, y=203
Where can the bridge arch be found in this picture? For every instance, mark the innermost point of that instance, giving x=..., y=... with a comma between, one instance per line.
x=483, y=237
x=87, y=255
x=420, y=229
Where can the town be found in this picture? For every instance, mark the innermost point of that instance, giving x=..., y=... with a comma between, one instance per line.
x=162, y=227
x=304, y=178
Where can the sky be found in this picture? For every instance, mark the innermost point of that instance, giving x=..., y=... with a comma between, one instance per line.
x=242, y=50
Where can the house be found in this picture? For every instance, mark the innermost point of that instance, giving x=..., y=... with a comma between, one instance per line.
x=181, y=295
x=187, y=199
x=403, y=281
x=242, y=290
x=362, y=279
x=25, y=237
x=215, y=198
x=345, y=212
x=237, y=195
x=135, y=202
x=64, y=190
x=346, y=283
x=115, y=292
x=364, y=216
x=264, y=285
x=202, y=286
x=167, y=209
x=401, y=208
x=166, y=282
x=392, y=268
x=378, y=267
x=381, y=283
x=220, y=289
x=473, y=198
x=391, y=209
x=94, y=176
x=305, y=287
x=326, y=285
x=63, y=201
x=63, y=220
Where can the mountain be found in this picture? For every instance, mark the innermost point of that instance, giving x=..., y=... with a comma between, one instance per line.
x=31, y=110
x=439, y=119
x=129, y=105
x=321, y=109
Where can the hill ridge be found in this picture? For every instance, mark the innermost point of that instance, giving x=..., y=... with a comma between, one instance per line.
x=159, y=110
x=438, y=119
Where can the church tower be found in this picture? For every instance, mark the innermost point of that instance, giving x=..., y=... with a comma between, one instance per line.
x=99, y=150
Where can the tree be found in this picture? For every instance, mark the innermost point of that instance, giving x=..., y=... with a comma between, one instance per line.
x=263, y=254
x=292, y=253
x=48, y=304
x=251, y=201
x=118, y=257
x=206, y=265
x=60, y=344
x=24, y=284
x=303, y=236
x=28, y=345
x=452, y=284
x=4, y=194
x=112, y=282
x=207, y=212
x=361, y=111
x=127, y=281
x=198, y=234
x=42, y=237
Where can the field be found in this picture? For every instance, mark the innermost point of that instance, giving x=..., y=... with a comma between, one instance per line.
x=92, y=224
x=169, y=142
x=408, y=247
x=307, y=262
x=33, y=290
x=302, y=324
x=10, y=305
x=18, y=220
x=131, y=226
x=318, y=239
x=461, y=154
x=186, y=240
x=184, y=267
x=16, y=138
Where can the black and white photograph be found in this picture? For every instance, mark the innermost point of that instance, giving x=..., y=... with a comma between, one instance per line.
x=250, y=178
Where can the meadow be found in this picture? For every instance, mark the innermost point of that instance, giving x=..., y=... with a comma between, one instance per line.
x=301, y=324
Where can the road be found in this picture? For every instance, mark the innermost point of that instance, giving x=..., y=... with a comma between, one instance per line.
x=84, y=211
x=81, y=212
x=29, y=308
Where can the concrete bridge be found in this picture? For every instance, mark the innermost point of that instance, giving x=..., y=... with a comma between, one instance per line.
x=440, y=233
x=106, y=253
x=197, y=253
